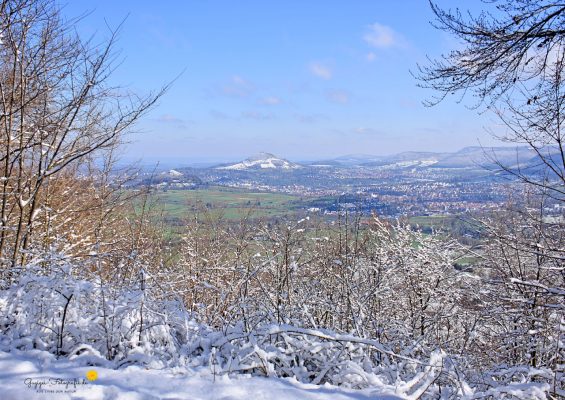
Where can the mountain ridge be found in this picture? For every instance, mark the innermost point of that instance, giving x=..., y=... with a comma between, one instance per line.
x=467, y=157
x=471, y=156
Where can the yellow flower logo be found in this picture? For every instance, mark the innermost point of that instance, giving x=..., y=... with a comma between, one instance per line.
x=91, y=375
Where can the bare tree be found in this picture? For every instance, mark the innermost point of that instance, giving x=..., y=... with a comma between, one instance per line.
x=57, y=111
x=512, y=45
x=512, y=60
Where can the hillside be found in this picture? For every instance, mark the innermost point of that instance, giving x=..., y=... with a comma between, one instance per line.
x=467, y=157
x=262, y=161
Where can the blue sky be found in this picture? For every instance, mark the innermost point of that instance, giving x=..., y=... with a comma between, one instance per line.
x=301, y=79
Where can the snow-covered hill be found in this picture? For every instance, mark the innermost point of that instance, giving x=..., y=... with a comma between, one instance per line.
x=468, y=157
x=174, y=173
x=262, y=161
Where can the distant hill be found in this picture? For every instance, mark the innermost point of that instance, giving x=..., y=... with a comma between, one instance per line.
x=488, y=156
x=474, y=156
x=262, y=161
x=171, y=178
x=356, y=159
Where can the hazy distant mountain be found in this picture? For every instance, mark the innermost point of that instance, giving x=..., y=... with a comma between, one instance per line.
x=357, y=159
x=467, y=157
x=488, y=156
x=262, y=161
x=408, y=158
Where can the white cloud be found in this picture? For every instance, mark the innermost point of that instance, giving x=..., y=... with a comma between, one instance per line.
x=238, y=87
x=311, y=118
x=366, y=131
x=256, y=115
x=270, y=101
x=219, y=115
x=169, y=118
x=320, y=70
x=338, y=96
x=172, y=120
x=381, y=36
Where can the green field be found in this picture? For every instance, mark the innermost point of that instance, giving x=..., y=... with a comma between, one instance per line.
x=434, y=221
x=231, y=204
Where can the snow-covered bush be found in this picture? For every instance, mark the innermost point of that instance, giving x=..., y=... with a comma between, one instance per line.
x=59, y=305
x=384, y=283
x=323, y=356
x=390, y=311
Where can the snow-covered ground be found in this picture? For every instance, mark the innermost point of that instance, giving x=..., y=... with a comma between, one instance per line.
x=22, y=375
x=262, y=161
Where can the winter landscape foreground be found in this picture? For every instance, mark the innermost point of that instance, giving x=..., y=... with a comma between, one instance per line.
x=60, y=322
x=21, y=373
x=37, y=375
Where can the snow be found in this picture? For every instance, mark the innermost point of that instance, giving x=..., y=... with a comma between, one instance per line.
x=409, y=163
x=146, y=346
x=263, y=161
x=268, y=163
x=21, y=373
x=173, y=172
